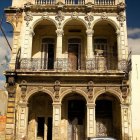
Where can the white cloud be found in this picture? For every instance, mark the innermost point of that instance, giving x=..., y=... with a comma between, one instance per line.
x=133, y=31
x=134, y=40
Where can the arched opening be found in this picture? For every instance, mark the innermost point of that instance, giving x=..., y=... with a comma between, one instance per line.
x=108, y=116
x=44, y=45
x=73, y=118
x=74, y=43
x=40, y=117
x=105, y=45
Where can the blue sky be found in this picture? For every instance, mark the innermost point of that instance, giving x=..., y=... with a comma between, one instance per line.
x=133, y=23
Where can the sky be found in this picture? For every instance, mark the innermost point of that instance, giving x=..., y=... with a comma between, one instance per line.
x=133, y=24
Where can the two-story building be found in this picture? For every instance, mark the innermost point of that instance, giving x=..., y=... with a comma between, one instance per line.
x=68, y=75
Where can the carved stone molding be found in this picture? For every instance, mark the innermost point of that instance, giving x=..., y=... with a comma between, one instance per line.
x=90, y=89
x=121, y=6
x=104, y=16
x=123, y=65
x=121, y=18
x=59, y=32
x=89, y=18
x=57, y=89
x=89, y=32
x=23, y=91
x=74, y=15
x=45, y=15
x=59, y=17
x=28, y=17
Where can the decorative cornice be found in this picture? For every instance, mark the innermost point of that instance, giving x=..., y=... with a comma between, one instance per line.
x=121, y=6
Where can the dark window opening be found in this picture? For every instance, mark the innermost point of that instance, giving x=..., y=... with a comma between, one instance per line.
x=40, y=128
x=49, y=133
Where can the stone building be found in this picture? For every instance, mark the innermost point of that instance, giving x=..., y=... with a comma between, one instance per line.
x=68, y=77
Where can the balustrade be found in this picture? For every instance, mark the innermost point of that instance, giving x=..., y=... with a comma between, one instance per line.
x=64, y=64
x=104, y=2
x=42, y=2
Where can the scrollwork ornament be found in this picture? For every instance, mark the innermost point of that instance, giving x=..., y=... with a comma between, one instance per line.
x=28, y=17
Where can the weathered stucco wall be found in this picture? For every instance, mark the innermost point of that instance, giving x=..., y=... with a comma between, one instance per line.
x=135, y=87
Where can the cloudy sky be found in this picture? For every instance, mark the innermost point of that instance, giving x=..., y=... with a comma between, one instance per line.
x=133, y=23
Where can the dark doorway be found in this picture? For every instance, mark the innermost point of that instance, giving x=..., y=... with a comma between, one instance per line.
x=40, y=128
x=76, y=109
x=49, y=133
x=104, y=118
x=50, y=56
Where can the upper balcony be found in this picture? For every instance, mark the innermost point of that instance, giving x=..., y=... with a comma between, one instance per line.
x=16, y=3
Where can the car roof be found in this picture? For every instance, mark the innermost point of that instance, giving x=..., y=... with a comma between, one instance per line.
x=102, y=138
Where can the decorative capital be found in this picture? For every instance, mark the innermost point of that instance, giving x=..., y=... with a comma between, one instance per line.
x=89, y=32
x=59, y=32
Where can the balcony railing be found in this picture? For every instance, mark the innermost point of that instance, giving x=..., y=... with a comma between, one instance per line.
x=43, y=2
x=104, y=2
x=73, y=2
x=97, y=64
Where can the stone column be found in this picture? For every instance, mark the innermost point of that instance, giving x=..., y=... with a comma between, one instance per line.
x=56, y=121
x=125, y=115
x=91, y=120
x=59, y=43
x=22, y=120
x=89, y=43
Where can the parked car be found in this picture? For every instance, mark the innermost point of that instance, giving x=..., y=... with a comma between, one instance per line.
x=102, y=138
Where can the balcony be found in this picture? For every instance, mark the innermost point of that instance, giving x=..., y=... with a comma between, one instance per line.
x=97, y=64
x=77, y=2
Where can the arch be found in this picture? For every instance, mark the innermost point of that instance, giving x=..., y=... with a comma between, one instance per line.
x=35, y=91
x=35, y=23
x=113, y=23
x=78, y=19
x=69, y=91
x=110, y=91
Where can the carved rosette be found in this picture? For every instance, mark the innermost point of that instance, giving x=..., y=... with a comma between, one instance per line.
x=57, y=89
x=28, y=17
x=104, y=16
x=59, y=17
x=89, y=18
x=90, y=89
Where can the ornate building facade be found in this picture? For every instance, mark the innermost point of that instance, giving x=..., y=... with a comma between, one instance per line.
x=68, y=77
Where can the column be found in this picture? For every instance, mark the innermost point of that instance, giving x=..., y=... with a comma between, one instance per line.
x=22, y=117
x=56, y=121
x=126, y=124
x=89, y=43
x=91, y=129
x=59, y=43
